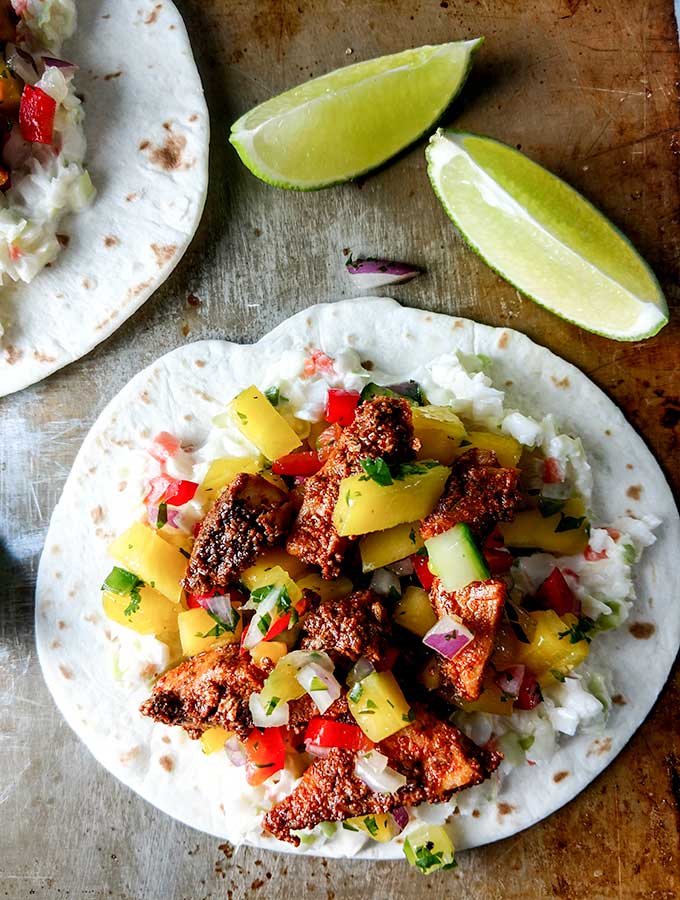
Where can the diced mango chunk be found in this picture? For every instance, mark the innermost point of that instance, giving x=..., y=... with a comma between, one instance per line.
x=262, y=574
x=414, y=611
x=268, y=650
x=222, y=472
x=155, y=614
x=198, y=631
x=384, y=547
x=214, y=739
x=378, y=706
x=548, y=652
x=565, y=533
x=492, y=700
x=506, y=448
x=262, y=425
x=364, y=505
x=332, y=589
x=381, y=827
x=290, y=564
x=439, y=431
x=143, y=551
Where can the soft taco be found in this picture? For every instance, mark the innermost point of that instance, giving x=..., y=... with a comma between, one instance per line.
x=103, y=173
x=321, y=593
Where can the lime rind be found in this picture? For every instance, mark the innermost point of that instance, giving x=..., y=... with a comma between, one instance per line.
x=653, y=313
x=244, y=130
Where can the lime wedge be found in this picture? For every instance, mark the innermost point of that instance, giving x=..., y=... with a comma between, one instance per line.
x=346, y=123
x=544, y=237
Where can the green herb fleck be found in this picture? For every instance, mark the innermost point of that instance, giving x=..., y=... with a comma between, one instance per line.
x=135, y=600
x=410, y=716
x=371, y=705
x=549, y=506
x=264, y=623
x=557, y=675
x=243, y=417
x=393, y=594
x=349, y=827
x=274, y=396
x=162, y=517
x=356, y=692
x=629, y=554
x=527, y=742
x=271, y=706
x=569, y=523
x=376, y=470
x=579, y=631
x=371, y=825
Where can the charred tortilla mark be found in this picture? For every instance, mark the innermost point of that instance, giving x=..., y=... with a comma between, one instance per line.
x=200, y=363
x=619, y=700
x=131, y=197
x=169, y=156
x=61, y=624
x=560, y=776
x=505, y=809
x=127, y=757
x=503, y=341
x=163, y=253
x=97, y=514
x=167, y=763
x=55, y=645
x=153, y=15
x=642, y=631
x=112, y=75
x=144, y=145
x=66, y=672
x=475, y=813
x=12, y=355
x=43, y=357
x=560, y=382
x=144, y=397
x=111, y=241
x=165, y=739
x=107, y=321
x=139, y=288
x=634, y=491
x=599, y=748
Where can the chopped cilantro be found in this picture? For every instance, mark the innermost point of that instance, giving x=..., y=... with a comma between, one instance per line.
x=412, y=536
x=393, y=594
x=426, y=859
x=274, y=396
x=410, y=716
x=271, y=706
x=527, y=742
x=548, y=506
x=579, y=631
x=243, y=417
x=376, y=470
x=629, y=554
x=371, y=705
x=557, y=675
x=221, y=627
x=371, y=825
x=422, y=552
x=349, y=827
x=125, y=584
x=356, y=692
x=135, y=600
x=569, y=523
x=264, y=623
x=162, y=517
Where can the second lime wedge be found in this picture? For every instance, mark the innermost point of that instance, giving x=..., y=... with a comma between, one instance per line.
x=544, y=237
x=346, y=123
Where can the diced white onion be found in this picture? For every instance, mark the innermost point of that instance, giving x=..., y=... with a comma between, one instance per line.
x=311, y=677
x=383, y=581
x=373, y=770
x=264, y=719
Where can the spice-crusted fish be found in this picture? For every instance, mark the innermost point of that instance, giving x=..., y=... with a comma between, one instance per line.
x=349, y=627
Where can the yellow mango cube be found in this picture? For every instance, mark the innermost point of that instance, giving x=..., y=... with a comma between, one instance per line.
x=293, y=566
x=381, y=827
x=364, y=505
x=378, y=706
x=439, y=431
x=492, y=700
x=262, y=574
x=143, y=551
x=506, y=448
x=384, y=547
x=529, y=529
x=222, y=472
x=155, y=614
x=198, y=632
x=268, y=650
x=214, y=739
x=333, y=589
x=262, y=425
x=547, y=651
x=414, y=612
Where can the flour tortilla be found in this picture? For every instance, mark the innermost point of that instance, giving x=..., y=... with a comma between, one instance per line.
x=180, y=393
x=147, y=131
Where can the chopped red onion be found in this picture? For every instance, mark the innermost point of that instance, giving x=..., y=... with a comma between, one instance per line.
x=383, y=581
x=67, y=68
x=373, y=770
x=269, y=716
x=401, y=817
x=402, y=567
x=510, y=680
x=221, y=608
x=235, y=752
x=321, y=686
x=361, y=669
x=372, y=273
x=21, y=63
x=448, y=637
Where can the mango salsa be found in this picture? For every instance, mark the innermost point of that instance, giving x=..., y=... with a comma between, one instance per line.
x=333, y=589
x=262, y=425
x=198, y=631
x=506, y=448
x=214, y=739
x=548, y=652
x=439, y=431
x=155, y=614
x=262, y=574
x=365, y=505
x=429, y=848
x=565, y=533
x=378, y=706
x=380, y=827
x=384, y=547
x=414, y=611
x=143, y=551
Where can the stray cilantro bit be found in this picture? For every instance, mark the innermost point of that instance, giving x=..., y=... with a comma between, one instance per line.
x=548, y=506
x=349, y=827
x=221, y=627
x=243, y=417
x=371, y=705
x=135, y=600
x=264, y=624
x=371, y=825
x=377, y=470
x=356, y=692
x=393, y=594
x=629, y=554
x=426, y=859
x=271, y=706
x=125, y=584
x=274, y=395
x=569, y=523
x=558, y=676
x=412, y=536
x=410, y=716
x=162, y=517
x=513, y=618
x=527, y=742
x=579, y=631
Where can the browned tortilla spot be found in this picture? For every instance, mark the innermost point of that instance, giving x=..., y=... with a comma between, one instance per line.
x=163, y=253
x=642, y=630
x=505, y=808
x=105, y=322
x=131, y=197
x=144, y=145
x=55, y=645
x=97, y=515
x=169, y=156
x=112, y=75
x=127, y=757
x=167, y=763
x=619, y=700
x=153, y=15
x=165, y=739
x=144, y=397
x=200, y=363
x=43, y=357
x=193, y=117
x=560, y=382
x=12, y=355
x=61, y=624
x=503, y=341
x=598, y=748
x=475, y=813
x=67, y=673
x=634, y=491
x=122, y=485
x=110, y=241
x=458, y=324
x=560, y=776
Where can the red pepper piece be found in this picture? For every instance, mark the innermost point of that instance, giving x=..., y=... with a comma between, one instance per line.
x=529, y=693
x=329, y=733
x=556, y=594
x=593, y=555
x=422, y=570
x=298, y=464
x=173, y=491
x=265, y=754
x=498, y=561
x=36, y=115
x=341, y=406
x=552, y=473
x=164, y=446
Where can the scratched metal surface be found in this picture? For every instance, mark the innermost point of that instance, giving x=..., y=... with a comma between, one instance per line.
x=589, y=89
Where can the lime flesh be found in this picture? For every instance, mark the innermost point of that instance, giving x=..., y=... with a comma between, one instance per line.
x=544, y=237
x=347, y=122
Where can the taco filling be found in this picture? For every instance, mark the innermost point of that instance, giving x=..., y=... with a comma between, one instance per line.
x=42, y=177
x=374, y=597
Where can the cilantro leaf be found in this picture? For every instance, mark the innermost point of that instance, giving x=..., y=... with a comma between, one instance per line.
x=569, y=523
x=377, y=470
x=548, y=506
x=579, y=631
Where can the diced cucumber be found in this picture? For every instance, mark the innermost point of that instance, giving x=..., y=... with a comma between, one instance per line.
x=455, y=558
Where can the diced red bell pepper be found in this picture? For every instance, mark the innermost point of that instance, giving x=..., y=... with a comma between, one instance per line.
x=552, y=472
x=323, y=732
x=529, y=693
x=173, y=491
x=422, y=570
x=556, y=594
x=301, y=464
x=593, y=555
x=36, y=115
x=282, y=623
x=164, y=446
x=341, y=406
x=495, y=540
x=318, y=361
x=265, y=754
x=498, y=561
x=194, y=600
x=388, y=660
